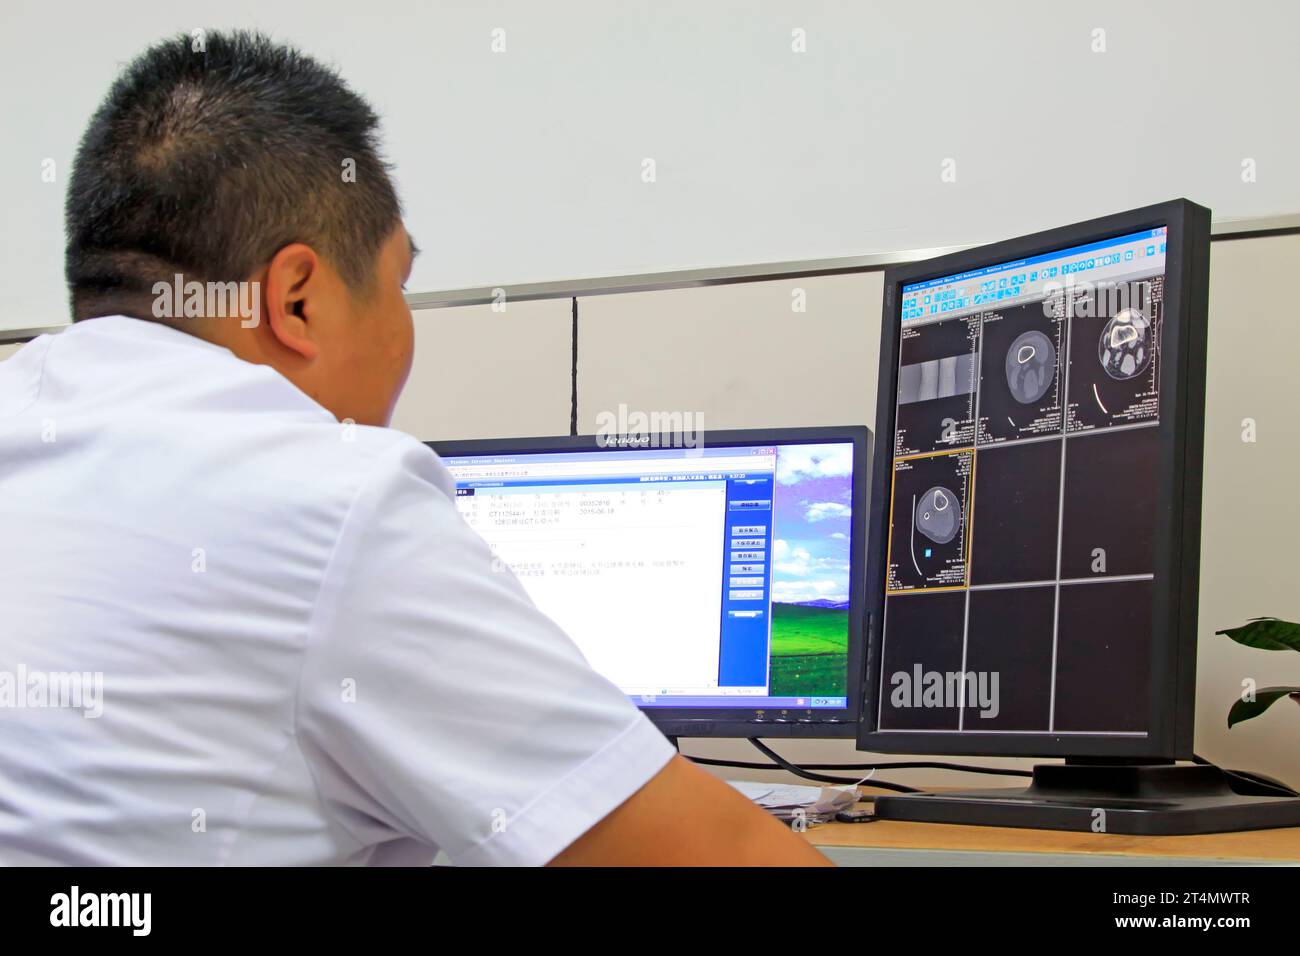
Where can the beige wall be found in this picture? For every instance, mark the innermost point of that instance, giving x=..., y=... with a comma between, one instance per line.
x=484, y=374
x=478, y=373
x=739, y=355
x=1251, y=515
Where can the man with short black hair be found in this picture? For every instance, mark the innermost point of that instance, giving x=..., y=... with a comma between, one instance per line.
x=274, y=639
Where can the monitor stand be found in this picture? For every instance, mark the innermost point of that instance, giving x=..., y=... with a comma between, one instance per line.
x=1107, y=797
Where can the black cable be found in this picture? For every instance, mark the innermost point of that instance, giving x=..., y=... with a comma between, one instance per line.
x=788, y=767
x=820, y=778
x=573, y=384
x=888, y=765
x=920, y=765
x=806, y=771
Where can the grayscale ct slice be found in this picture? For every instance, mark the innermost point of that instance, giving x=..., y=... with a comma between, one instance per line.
x=1125, y=346
x=1030, y=366
x=938, y=515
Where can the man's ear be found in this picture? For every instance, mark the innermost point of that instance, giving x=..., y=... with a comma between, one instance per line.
x=290, y=285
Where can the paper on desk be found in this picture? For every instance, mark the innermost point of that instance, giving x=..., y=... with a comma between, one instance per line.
x=783, y=799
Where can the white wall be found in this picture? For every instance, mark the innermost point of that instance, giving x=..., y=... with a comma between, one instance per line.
x=526, y=165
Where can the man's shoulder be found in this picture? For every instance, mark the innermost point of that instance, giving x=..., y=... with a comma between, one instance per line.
x=350, y=451
x=307, y=457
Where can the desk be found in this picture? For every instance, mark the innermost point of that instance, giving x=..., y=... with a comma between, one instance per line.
x=896, y=843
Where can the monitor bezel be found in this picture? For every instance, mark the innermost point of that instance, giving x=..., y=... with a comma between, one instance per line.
x=742, y=722
x=1177, y=532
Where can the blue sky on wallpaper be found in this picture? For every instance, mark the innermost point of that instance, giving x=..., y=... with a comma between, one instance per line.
x=810, y=548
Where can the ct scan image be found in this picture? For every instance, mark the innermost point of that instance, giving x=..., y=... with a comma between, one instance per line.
x=936, y=386
x=928, y=533
x=938, y=515
x=1114, y=363
x=1020, y=391
x=1126, y=349
x=1030, y=367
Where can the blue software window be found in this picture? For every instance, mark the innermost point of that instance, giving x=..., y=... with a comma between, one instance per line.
x=689, y=577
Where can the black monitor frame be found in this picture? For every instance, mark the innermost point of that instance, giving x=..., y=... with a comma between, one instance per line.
x=1178, y=523
x=741, y=722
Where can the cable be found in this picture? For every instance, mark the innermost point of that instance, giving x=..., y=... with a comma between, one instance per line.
x=920, y=765
x=798, y=771
x=821, y=778
x=888, y=765
x=573, y=383
x=806, y=771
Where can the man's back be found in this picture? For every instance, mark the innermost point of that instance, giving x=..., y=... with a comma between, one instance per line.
x=187, y=540
x=236, y=627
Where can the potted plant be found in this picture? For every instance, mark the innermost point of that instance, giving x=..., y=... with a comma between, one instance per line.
x=1269, y=634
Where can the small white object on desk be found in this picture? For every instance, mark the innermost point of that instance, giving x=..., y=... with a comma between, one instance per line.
x=787, y=802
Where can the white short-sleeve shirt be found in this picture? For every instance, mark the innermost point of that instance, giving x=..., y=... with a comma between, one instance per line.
x=236, y=631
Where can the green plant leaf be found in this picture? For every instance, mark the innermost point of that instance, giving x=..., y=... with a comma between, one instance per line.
x=1266, y=633
x=1264, y=699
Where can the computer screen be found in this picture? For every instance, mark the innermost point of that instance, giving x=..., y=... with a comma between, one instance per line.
x=1023, y=495
x=710, y=578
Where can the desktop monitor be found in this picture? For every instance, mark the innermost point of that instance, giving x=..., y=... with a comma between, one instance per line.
x=716, y=578
x=1035, y=546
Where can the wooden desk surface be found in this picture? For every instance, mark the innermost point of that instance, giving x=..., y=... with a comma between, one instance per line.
x=1273, y=846
x=892, y=840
